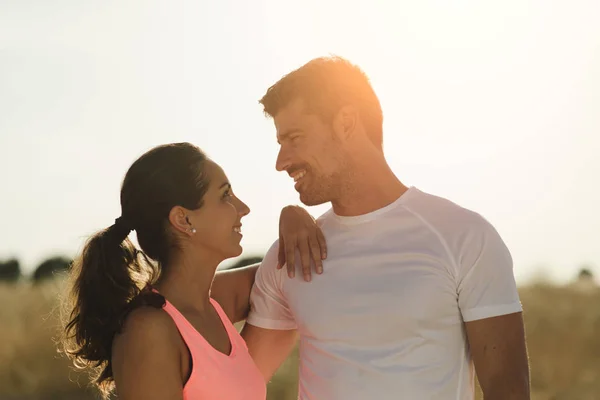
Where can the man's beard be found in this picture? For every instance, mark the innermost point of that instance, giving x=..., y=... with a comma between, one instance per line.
x=321, y=190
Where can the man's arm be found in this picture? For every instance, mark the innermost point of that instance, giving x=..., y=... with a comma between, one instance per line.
x=270, y=331
x=490, y=306
x=500, y=356
x=269, y=348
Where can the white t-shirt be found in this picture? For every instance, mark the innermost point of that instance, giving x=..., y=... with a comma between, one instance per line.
x=385, y=319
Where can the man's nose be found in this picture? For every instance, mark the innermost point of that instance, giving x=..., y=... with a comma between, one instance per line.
x=282, y=162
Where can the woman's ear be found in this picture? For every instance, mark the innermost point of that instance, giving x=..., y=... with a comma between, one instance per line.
x=178, y=217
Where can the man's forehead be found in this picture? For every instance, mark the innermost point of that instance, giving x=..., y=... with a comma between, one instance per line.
x=291, y=116
x=295, y=107
x=283, y=126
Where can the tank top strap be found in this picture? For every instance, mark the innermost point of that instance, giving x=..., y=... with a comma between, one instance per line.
x=187, y=331
x=191, y=335
x=232, y=332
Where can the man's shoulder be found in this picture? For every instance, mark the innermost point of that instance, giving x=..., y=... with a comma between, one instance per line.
x=463, y=232
x=267, y=269
x=269, y=261
x=327, y=215
x=444, y=215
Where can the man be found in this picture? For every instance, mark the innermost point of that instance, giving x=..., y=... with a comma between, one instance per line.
x=416, y=290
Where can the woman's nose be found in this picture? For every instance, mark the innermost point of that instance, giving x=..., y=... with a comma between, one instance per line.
x=242, y=208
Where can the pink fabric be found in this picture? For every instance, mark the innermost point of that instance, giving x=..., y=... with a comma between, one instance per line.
x=217, y=376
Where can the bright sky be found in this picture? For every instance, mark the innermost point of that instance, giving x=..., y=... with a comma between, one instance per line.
x=494, y=105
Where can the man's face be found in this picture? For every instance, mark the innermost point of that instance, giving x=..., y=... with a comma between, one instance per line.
x=310, y=153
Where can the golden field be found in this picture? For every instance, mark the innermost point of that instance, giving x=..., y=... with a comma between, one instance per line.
x=562, y=323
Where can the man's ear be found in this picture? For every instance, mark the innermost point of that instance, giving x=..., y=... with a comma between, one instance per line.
x=178, y=217
x=345, y=122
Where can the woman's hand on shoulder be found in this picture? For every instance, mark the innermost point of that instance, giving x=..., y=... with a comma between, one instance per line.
x=146, y=357
x=299, y=230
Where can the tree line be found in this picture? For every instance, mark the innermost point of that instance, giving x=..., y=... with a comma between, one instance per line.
x=11, y=271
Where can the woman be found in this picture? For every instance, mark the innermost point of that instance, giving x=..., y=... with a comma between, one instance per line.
x=147, y=322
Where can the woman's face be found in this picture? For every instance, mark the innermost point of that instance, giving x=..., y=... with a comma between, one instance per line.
x=218, y=222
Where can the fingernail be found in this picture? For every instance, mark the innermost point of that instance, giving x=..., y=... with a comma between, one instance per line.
x=307, y=278
x=319, y=270
x=324, y=256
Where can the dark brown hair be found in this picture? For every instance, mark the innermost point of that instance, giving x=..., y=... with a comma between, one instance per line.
x=327, y=84
x=109, y=277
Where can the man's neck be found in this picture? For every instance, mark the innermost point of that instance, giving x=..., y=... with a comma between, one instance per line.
x=373, y=186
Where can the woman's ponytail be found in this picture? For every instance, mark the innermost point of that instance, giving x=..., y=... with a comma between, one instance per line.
x=105, y=278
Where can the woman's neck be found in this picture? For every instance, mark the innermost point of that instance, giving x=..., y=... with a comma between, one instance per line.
x=186, y=281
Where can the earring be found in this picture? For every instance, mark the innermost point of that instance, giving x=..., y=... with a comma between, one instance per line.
x=193, y=230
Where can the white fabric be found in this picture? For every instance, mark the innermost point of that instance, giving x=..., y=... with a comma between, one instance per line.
x=385, y=319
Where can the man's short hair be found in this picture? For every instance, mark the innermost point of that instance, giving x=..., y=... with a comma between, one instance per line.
x=327, y=84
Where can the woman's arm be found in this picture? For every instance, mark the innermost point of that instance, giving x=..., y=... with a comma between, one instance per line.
x=231, y=289
x=147, y=358
x=297, y=231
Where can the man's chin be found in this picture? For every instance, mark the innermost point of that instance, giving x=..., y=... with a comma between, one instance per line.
x=310, y=201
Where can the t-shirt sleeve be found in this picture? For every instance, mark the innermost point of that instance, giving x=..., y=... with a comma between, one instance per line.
x=268, y=306
x=486, y=282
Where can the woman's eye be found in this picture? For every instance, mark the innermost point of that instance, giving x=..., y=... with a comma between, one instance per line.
x=227, y=194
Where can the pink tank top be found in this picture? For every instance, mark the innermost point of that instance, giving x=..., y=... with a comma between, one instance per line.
x=215, y=375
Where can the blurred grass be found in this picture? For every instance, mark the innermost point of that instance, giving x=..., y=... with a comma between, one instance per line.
x=30, y=367
x=562, y=323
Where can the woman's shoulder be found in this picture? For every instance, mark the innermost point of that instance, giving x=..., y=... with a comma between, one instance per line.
x=147, y=348
x=147, y=317
x=146, y=326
